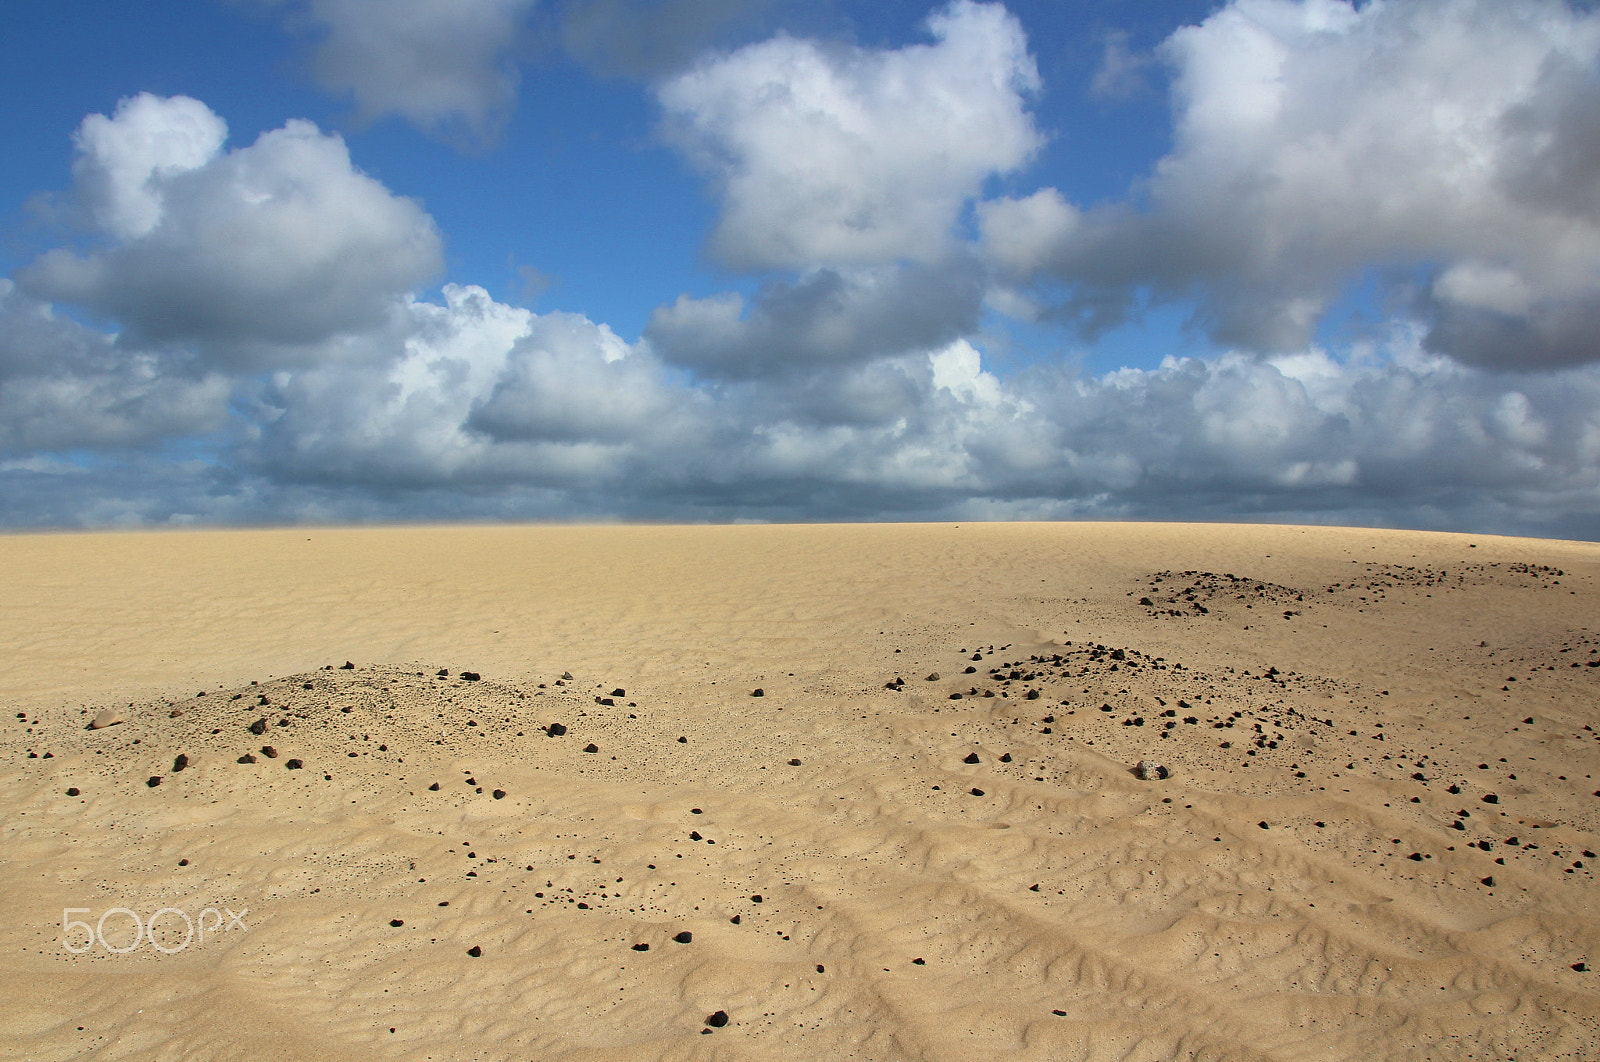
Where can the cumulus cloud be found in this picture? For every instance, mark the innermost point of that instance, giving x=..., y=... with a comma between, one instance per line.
x=64, y=386
x=1315, y=140
x=839, y=393
x=828, y=318
x=447, y=66
x=252, y=253
x=831, y=155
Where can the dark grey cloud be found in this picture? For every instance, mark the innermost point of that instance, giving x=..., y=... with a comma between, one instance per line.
x=828, y=319
x=450, y=67
x=649, y=39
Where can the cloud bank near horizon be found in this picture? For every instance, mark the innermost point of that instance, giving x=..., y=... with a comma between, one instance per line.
x=245, y=333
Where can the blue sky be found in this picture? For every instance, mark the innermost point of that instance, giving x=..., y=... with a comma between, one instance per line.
x=388, y=260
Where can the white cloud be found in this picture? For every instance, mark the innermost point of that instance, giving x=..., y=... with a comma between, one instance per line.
x=253, y=254
x=835, y=155
x=124, y=161
x=447, y=66
x=1315, y=140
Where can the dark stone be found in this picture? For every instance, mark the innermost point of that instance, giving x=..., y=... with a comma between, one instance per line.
x=619, y=692
x=347, y=666
x=1006, y=758
x=259, y=727
x=269, y=752
x=153, y=781
x=444, y=672
x=684, y=937
x=1033, y=888
x=758, y=693
x=718, y=1020
x=475, y=951
x=919, y=962
x=183, y=862
x=972, y=757
x=293, y=765
x=246, y=758
x=641, y=947
x=1415, y=857
x=1581, y=967
x=970, y=671
x=683, y=741
x=607, y=701
x=73, y=791
x=794, y=763
x=756, y=898
x=434, y=788
x=555, y=729
x=397, y=922
x=933, y=676
x=977, y=792
x=1263, y=825
x=1489, y=881
x=470, y=676
x=591, y=747
x=1490, y=798
x=499, y=794
x=179, y=762
x=694, y=835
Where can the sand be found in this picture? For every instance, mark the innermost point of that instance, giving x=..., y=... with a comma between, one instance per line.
x=1375, y=837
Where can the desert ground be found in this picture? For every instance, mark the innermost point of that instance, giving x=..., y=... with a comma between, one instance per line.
x=800, y=792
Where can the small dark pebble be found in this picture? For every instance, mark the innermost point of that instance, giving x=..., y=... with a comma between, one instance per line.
x=758, y=693
x=794, y=763
x=717, y=1020
x=347, y=666
x=247, y=758
x=397, y=922
x=1006, y=758
x=293, y=765
x=683, y=741
x=591, y=747
x=475, y=951
x=555, y=729
x=470, y=676
x=1263, y=825
x=269, y=752
x=153, y=781
x=183, y=862
x=977, y=792
x=499, y=794
x=641, y=947
x=434, y=788
x=684, y=937
x=73, y=791
x=1489, y=881
x=1490, y=798
x=258, y=727
x=972, y=757
x=1581, y=967
x=919, y=962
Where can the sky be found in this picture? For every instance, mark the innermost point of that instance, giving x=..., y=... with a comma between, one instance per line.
x=330, y=261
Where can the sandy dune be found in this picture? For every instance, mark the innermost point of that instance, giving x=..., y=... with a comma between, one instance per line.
x=1376, y=838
